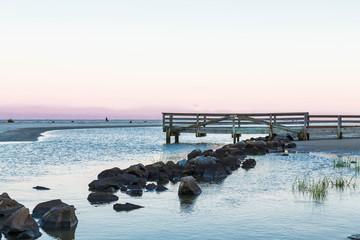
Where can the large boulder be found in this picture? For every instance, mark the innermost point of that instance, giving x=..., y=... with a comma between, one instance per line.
x=21, y=224
x=135, y=192
x=126, y=207
x=188, y=186
x=101, y=197
x=214, y=171
x=62, y=216
x=194, y=154
x=112, y=172
x=8, y=206
x=44, y=207
x=155, y=169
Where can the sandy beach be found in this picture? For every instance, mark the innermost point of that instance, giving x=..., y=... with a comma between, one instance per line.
x=31, y=130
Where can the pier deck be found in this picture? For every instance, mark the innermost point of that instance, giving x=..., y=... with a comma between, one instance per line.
x=301, y=123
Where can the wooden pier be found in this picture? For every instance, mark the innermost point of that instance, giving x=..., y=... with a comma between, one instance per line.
x=301, y=123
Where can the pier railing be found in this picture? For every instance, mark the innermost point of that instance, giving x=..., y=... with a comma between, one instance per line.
x=301, y=123
x=234, y=124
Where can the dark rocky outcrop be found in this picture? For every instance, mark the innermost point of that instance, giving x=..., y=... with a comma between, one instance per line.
x=151, y=186
x=160, y=188
x=8, y=206
x=101, y=197
x=248, y=163
x=41, y=188
x=44, y=207
x=138, y=170
x=59, y=217
x=110, y=184
x=135, y=192
x=110, y=173
x=195, y=153
x=126, y=207
x=22, y=225
x=188, y=186
x=290, y=145
x=214, y=171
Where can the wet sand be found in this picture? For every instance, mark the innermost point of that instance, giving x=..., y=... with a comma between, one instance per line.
x=31, y=130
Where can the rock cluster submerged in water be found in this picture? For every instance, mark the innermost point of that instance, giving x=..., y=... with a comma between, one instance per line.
x=19, y=224
x=204, y=165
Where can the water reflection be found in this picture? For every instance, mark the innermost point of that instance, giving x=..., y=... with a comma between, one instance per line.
x=187, y=204
x=63, y=234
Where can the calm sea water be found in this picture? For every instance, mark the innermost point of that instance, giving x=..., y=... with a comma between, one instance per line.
x=254, y=204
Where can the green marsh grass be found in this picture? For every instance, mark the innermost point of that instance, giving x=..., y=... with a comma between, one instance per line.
x=318, y=189
x=347, y=162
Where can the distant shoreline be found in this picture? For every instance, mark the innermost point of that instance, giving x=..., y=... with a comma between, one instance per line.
x=25, y=132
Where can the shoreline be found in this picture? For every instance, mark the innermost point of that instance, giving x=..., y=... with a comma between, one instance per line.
x=26, y=134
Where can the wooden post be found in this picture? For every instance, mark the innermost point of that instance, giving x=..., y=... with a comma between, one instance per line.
x=163, y=118
x=304, y=135
x=197, y=134
x=177, y=138
x=339, y=133
x=168, y=136
x=233, y=129
x=271, y=134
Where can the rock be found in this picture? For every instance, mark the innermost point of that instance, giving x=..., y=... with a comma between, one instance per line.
x=101, y=197
x=201, y=160
x=62, y=216
x=255, y=149
x=155, y=169
x=222, y=152
x=160, y=188
x=355, y=237
x=151, y=186
x=8, y=206
x=135, y=192
x=214, y=171
x=290, y=137
x=194, y=154
x=290, y=145
x=181, y=162
x=163, y=178
x=10, y=121
x=21, y=224
x=207, y=153
x=240, y=145
x=138, y=170
x=110, y=184
x=249, y=163
x=126, y=207
x=230, y=162
x=188, y=186
x=123, y=188
x=41, y=188
x=110, y=173
x=44, y=207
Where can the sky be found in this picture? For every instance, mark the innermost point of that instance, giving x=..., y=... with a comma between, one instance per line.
x=138, y=58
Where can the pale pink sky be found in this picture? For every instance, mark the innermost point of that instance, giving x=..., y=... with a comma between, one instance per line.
x=75, y=59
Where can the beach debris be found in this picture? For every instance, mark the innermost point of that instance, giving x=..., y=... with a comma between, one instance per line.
x=160, y=188
x=101, y=197
x=10, y=121
x=21, y=224
x=8, y=206
x=150, y=186
x=41, y=188
x=44, y=207
x=135, y=192
x=248, y=163
x=59, y=217
x=355, y=237
x=126, y=207
x=188, y=186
